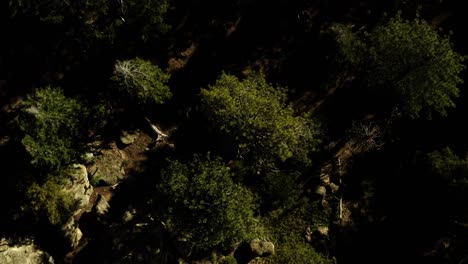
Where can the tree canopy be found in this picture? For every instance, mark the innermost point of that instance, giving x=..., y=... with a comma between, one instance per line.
x=205, y=203
x=100, y=19
x=255, y=114
x=446, y=164
x=141, y=81
x=52, y=124
x=49, y=200
x=408, y=62
x=316, y=117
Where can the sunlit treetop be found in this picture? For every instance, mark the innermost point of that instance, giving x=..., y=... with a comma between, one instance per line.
x=255, y=114
x=407, y=61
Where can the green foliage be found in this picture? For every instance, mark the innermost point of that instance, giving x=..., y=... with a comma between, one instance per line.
x=449, y=166
x=52, y=126
x=256, y=116
x=417, y=63
x=229, y=260
x=350, y=48
x=287, y=230
x=406, y=61
x=146, y=18
x=206, y=204
x=280, y=189
x=99, y=19
x=141, y=81
x=299, y=252
x=49, y=200
x=49, y=10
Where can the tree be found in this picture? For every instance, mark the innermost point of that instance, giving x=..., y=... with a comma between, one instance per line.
x=53, y=127
x=256, y=116
x=50, y=201
x=99, y=18
x=409, y=62
x=205, y=203
x=141, y=81
x=145, y=19
x=447, y=165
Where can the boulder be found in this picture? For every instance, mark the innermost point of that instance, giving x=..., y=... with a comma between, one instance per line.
x=102, y=206
x=129, y=215
x=78, y=185
x=24, y=253
x=323, y=231
x=334, y=188
x=109, y=166
x=128, y=137
x=72, y=233
x=262, y=248
x=88, y=157
x=321, y=190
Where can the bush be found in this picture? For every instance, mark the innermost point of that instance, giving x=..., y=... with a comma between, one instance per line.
x=141, y=82
x=50, y=201
x=53, y=127
x=407, y=62
x=256, y=115
x=220, y=212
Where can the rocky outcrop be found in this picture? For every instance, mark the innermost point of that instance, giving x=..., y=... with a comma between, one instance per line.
x=108, y=167
x=78, y=185
x=102, y=206
x=24, y=253
x=128, y=215
x=128, y=137
x=320, y=190
x=319, y=238
x=72, y=233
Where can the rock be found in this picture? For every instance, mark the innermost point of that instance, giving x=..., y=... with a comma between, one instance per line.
x=78, y=185
x=24, y=253
x=129, y=215
x=102, y=206
x=128, y=137
x=320, y=190
x=262, y=248
x=109, y=166
x=323, y=231
x=334, y=188
x=72, y=233
x=88, y=157
x=308, y=234
x=324, y=203
x=92, y=169
x=325, y=179
x=320, y=239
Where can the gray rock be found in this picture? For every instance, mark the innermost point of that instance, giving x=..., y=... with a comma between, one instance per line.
x=334, y=188
x=25, y=253
x=72, y=233
x=128, y=137
x=262, y=248
x=109, y=166
x=325, y=179
x=102, y=206
x=78, y=185
x=129, y=215
x=321, y=190
x=88, y=157
x=323, y=230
